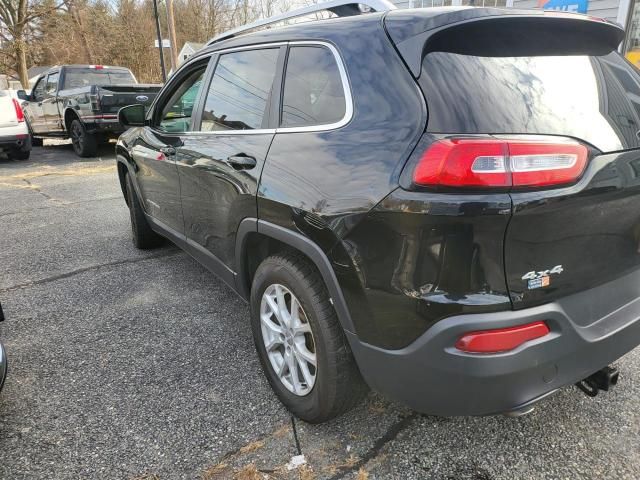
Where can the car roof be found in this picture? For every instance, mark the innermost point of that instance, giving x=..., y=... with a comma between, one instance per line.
x=415, y=20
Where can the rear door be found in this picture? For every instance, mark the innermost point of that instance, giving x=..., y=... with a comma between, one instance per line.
x=220, y=163
x=154, y=152
x=573, y=89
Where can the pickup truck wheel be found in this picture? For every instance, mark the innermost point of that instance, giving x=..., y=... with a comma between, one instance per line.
x=300, y=343
x=84, y=144
x=143, y=236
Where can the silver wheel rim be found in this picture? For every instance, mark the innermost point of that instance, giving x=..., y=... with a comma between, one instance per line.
x=288, y=339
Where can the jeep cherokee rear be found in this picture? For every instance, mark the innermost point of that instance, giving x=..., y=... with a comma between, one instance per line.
x=443, y=198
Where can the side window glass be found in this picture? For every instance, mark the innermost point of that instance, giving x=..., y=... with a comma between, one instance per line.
x=38, y=90
x=52, y=83
x=238, y=96
x=313, y=91
x=176, y=114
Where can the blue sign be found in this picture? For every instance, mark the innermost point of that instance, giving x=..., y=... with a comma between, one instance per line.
x=573, y=6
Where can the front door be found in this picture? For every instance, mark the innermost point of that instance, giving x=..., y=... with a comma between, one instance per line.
x=220, y=163
x=33, y=108
x=50, y=110
x=154, y=153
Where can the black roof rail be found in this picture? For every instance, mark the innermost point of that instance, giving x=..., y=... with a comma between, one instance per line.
x=342, y=8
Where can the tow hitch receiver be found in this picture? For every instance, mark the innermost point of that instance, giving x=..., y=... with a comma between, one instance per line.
x=601, y=380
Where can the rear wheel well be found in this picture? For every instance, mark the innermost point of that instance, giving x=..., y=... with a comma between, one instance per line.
x=69, y=116
x=257, y=248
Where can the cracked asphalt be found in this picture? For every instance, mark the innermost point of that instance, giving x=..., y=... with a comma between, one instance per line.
x=129, y=364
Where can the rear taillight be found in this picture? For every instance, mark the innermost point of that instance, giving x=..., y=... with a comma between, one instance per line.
x=502, y=339
x=18, y=109
x=472, y=162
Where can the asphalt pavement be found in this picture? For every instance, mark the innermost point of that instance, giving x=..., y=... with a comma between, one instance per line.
x=131, y=364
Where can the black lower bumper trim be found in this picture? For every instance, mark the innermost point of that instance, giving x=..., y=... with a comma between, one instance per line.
x=432, y=376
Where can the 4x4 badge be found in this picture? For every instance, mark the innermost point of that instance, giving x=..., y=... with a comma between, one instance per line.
x=542, y=278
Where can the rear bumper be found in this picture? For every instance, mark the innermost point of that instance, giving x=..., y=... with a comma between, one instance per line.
x=103, y=124
x=3, y=366
x=431, y=376
x=18, y=141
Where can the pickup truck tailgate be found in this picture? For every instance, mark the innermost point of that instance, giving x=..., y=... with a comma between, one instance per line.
x=114, y=97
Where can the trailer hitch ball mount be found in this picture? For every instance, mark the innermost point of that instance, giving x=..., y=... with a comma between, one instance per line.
x=603, y=379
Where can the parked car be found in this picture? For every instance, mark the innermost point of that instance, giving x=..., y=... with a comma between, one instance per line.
x=15, y=140
x=81, y=102
x=441, y=204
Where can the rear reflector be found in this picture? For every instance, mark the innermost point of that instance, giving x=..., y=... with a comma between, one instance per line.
x=502, y=339
x=18, y=109
x=491, y=162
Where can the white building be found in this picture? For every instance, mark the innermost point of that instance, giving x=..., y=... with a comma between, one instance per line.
x=188, y=49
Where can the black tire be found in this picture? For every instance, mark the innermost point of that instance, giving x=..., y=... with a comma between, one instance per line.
x=4, y=366
x=84, y=144
x=144, y=237
x=20, y=154
x=338, y=384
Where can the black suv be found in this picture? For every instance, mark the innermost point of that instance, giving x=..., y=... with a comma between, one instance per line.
x=442, y=204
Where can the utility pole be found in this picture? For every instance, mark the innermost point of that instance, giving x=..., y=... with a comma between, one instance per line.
x=159, y=34
x=171, y=24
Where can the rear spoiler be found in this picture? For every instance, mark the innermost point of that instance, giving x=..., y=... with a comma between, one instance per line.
x=475, y=31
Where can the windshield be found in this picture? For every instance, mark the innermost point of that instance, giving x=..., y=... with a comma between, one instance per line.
x=82, y=77
x=593, y=98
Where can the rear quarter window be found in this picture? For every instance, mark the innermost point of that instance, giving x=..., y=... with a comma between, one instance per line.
x=313, y=92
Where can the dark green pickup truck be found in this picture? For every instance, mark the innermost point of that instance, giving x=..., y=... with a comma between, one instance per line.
x=81, y=102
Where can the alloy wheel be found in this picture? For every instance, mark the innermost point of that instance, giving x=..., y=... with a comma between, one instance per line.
x=288, y=339
x=76, y=136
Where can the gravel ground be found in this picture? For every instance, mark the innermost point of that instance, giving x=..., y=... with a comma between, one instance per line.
x=130, y=364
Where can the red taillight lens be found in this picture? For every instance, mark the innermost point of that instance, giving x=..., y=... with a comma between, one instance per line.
x=464, y=163
x=19, y=112
x=467, y=162
x=502, y=339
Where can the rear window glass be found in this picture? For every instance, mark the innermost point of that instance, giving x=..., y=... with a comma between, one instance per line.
x=82, y=77
x=593, y=98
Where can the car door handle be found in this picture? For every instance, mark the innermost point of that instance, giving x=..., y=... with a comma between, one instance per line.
x=241, y=161
x=168, y=151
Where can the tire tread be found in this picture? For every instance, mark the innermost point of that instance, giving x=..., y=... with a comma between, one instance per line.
x=347, y=388
x=144, y=237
